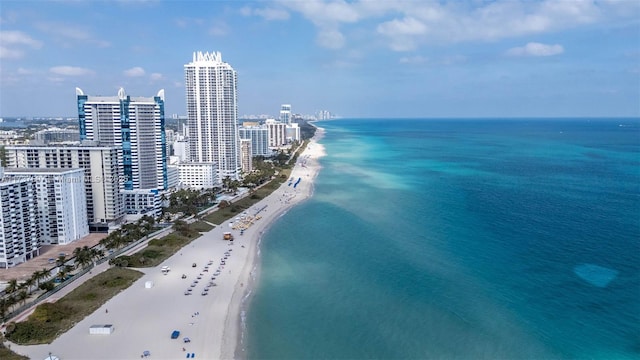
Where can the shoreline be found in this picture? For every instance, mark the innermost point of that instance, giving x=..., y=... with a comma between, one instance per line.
x=144, y=316
x=235, y=325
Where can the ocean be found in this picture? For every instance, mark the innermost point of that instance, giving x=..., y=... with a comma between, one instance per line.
x=458, y=239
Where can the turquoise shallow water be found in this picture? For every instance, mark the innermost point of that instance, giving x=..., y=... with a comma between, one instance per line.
x=458, y=239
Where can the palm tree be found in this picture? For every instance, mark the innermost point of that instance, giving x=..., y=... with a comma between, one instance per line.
x=63, y=272
x=96, y=254
x=12, y=286
x=22, y=296
x=28, y=284
x=10, y=301
x=39, y=276
x=226, y=182
x=82, y=256
x=61, y=260
x=3, y=308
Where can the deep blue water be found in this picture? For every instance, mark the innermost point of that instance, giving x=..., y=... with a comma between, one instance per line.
x=458, y=239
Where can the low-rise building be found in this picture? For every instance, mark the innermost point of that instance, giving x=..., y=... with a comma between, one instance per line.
x=199, y=175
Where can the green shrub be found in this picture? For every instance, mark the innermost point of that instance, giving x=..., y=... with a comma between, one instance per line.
x=47, y=286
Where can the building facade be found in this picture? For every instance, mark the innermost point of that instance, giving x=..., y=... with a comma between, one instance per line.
x=137, y=126
x=198, y=175
x=173, y=176
x=293, y=132
x=277, y=133
x=181, y=150
x=247, y=158
x=259, y=136
x=56, y=135
x=142, y=202
x=62, y=203
x=19, y=221
x=285, y=114
x=103, y=175
x=211, y=95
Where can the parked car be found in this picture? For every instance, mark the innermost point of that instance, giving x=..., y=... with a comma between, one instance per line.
x=175, y=334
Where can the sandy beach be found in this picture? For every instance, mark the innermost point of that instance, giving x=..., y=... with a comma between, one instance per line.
x=144, y=317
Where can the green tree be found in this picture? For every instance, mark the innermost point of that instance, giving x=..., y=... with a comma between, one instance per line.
x=82, y=256
x=40, y=275
x=22, y=296
x=29, y=284
x=12, y=286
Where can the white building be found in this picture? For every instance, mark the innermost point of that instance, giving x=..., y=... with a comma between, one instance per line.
x=137, y=126
x=56, y=135
x=259, y=135
x=199, y=175
x=211, y=94
x=19, y=221
x=181, y=150
x=285, y=114
x=247, y=158
x=293, y=132
x=170, y=138
x=277, y=133
x=103, y=175
x=62, y=203
x=142, y=202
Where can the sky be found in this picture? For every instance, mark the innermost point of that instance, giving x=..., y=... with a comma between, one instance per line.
x=375, y=58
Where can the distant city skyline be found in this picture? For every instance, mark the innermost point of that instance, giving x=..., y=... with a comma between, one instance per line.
x=355, y=59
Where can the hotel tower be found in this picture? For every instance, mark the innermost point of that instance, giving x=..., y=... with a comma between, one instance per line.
x=212, y=109
x=135, y=124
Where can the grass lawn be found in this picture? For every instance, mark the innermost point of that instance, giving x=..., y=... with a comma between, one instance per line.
x=158, y=250
x=49, y=320
x=221, y=215
x=201, y=226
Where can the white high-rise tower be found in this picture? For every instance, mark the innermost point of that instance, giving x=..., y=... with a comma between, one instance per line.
x=211, y=92
x=285, y=113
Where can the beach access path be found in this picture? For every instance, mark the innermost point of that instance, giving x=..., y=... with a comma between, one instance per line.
x=144, y=315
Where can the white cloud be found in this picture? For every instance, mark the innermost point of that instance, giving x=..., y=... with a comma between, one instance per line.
x=268, y=14
x=23, y=71
x=406, y=26
x=156, y=76
x=70, y=71
x=64, y=33
x=536, y=49
x=6, y=53
x=134, y=72
x=330, y=39
x=13, y=43
x=18, y=37
x=414, y=60
x=330, y=12
x=219, y=28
